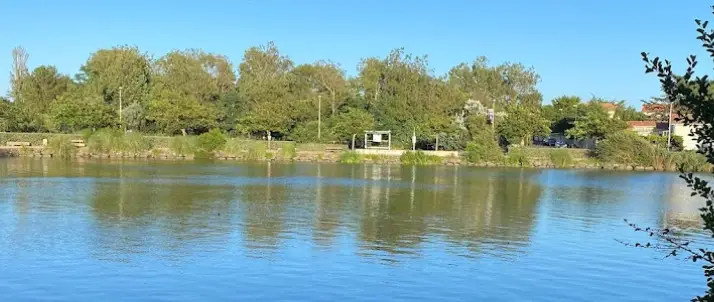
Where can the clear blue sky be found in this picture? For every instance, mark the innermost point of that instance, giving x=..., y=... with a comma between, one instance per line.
x=579, y=47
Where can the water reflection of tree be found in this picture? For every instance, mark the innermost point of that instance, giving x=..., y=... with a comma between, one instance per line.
x=134, y=214
x=494, y=208
x=263, y=207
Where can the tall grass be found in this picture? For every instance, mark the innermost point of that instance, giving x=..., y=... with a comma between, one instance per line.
x=560, y=158
x=105, y=140
x=135, y=143
x=183, y=145
x=233, y=147
x=691, y=161
x=419, y=158
x=256, y=150
x=350, y=157
x=288, y=151
x=517, y=156
x=61, y=146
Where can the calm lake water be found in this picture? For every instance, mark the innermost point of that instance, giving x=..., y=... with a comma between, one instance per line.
x=188, y=231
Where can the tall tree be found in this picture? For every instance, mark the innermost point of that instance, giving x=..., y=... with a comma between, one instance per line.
x=522, y=123
x=194, y=73
x=594, y=122
x=503, y=84
x=562, y=112
x=326, y=78
x=405, y=97
x=42, y=87
x=265, y=84
x=108, y=70
x=19, y=71
x=628, y=113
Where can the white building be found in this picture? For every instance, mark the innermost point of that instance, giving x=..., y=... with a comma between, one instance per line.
x=688, y=142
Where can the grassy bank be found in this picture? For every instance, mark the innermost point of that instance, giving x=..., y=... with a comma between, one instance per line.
x=623, y=151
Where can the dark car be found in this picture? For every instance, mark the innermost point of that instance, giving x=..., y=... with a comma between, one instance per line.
x=557, y=143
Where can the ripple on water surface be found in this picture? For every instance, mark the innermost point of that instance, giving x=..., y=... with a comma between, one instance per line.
x=146, y=231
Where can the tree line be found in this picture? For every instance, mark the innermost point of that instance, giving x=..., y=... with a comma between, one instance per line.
x=192, y=91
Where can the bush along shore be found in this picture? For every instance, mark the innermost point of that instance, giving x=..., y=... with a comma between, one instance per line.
x=622, y=151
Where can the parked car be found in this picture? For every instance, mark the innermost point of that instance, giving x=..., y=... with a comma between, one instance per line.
x=557, y=143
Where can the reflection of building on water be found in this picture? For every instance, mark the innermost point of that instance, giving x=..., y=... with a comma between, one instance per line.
x=681, y=209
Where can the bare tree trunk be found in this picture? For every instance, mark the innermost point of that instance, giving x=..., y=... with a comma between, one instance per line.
x=19, y=71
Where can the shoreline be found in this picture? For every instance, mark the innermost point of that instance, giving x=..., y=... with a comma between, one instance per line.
x=323, y=157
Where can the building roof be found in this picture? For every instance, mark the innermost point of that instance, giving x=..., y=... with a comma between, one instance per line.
x=632, y=124
x=609, y=106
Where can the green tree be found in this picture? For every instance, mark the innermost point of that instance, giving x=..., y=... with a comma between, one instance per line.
x=77, y=110
x=594, y=122
x=325, y=78
x=562, y=113
x=195, y=74
x=695, y=98
x=521, y=123
x=353, y=121
x=628, y=113
x=404, y=96
x=503, y=84
x=173, y=113
x=39, y=90
x=123, y=67
x=265, y=85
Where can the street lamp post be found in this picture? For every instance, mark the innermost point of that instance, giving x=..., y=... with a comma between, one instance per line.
x=120, y=109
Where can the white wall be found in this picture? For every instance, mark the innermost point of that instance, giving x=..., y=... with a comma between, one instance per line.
x=688, y=142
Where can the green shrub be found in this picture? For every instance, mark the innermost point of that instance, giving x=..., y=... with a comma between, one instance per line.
x=211, y=141
x=135, y=143
x=105, y=140
x=661, y=141
x=183, y=145
x=483, y=148
x=419, y=158
x=350, y=157
x=560, y=158
x=626, y=147
x=61, y=146
x=517, y=156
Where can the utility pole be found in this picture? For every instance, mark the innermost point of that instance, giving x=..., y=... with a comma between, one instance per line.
x=669, y=127
x=120, y=109
x=319, y=116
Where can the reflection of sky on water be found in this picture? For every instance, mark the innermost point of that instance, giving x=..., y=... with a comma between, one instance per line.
x=553, y=230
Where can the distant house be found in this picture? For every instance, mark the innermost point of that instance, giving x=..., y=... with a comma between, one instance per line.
x=645, y=128
x=689, y=142
x=610, y=108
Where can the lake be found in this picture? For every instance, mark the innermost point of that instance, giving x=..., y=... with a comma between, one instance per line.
x=201, y=231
